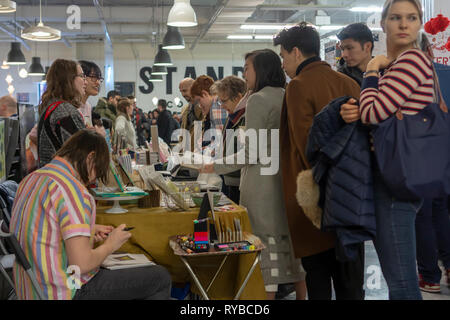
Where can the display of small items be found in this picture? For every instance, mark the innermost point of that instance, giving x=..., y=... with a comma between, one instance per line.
x=186, y=243
x=235, y=246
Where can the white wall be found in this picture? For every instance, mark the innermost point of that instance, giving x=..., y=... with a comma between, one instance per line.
x=129, y=59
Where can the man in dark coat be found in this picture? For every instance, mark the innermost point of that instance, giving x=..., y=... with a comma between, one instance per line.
x=314, y=84
x=164, y=122
x=139, y=121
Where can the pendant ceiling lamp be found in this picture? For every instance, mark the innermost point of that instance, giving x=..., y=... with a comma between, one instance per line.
x=15, y=55
x=36, y=68
x=44, y=77
x=7, y=6
x=173, y=39
x=162, y=58
x=40, y=32
x=182, y=15
x=156, y=78
x=159, y=70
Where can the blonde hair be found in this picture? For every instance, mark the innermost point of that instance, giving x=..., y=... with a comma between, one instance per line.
x=422, y=42
x=388, y=4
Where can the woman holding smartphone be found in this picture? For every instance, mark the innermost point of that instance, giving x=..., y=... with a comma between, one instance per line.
x=53, y=218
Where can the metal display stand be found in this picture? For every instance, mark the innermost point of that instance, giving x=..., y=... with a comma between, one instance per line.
x=177, y=250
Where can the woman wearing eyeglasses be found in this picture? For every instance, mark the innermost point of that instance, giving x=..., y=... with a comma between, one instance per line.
x=231, y=91
x=93, y=82
x=60, y=116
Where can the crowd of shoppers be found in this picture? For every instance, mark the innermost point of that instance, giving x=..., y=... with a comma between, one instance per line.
x=409, y=236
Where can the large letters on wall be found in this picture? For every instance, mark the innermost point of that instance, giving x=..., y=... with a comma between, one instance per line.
x=147, y=87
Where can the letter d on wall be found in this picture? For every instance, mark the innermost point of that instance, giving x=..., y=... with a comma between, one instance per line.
x=74, y=19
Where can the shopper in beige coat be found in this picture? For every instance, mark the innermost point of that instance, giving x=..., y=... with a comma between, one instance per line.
x=261, y=193
x=123, y=126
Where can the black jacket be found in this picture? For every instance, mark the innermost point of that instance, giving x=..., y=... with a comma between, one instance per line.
x=341, y=159
x=353, y=72
x=164, y=126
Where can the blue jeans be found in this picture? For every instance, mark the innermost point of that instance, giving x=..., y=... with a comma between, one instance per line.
x=396, y=242
x=433, y=239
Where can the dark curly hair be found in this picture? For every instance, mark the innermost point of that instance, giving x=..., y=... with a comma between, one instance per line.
x=304, y=37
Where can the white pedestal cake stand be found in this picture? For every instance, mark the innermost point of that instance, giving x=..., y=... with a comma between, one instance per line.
x=116, y=208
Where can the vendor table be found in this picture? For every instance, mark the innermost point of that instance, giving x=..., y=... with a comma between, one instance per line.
x=154, y=227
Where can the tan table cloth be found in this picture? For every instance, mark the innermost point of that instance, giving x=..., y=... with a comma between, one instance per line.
x=154, y=226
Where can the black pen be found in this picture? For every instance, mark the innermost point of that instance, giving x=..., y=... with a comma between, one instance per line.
x=128, y=228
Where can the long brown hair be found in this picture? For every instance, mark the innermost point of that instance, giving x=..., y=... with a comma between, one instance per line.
x=60, y=84
x=77, y=148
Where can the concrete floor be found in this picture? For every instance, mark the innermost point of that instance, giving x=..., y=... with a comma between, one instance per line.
x=375, y=285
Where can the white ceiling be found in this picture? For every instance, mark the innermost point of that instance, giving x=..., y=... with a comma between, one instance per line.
x=145, y=20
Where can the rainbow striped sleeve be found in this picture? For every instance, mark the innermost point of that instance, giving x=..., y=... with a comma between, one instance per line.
x=71, y=207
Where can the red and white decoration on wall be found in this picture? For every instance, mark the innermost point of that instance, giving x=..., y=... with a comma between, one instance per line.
x=437, y=29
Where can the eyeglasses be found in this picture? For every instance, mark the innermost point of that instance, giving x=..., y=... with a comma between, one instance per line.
x=96, y=78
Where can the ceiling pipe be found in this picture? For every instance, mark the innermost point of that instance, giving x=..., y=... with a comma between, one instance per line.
x=66, y=42
x=15, y=37
x=211, y=21
x=103, y=22
x=296, y=7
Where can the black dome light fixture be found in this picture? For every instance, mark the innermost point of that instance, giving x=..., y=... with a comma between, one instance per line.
x=36, y=68
x=173, y=40
x=44, y=77
x=156, y=78
x=15, y=55
x=159, y=70
x=162, y=58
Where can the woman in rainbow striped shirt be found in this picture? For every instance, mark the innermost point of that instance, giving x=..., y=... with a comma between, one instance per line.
x=53, y=218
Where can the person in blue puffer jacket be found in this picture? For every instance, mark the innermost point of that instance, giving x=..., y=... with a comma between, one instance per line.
x=341, y=160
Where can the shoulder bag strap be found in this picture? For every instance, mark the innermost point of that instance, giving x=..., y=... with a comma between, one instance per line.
x=47, y=126
x=438, y=92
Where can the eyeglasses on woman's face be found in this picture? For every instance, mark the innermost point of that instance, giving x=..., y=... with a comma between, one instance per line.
x=95, y=78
